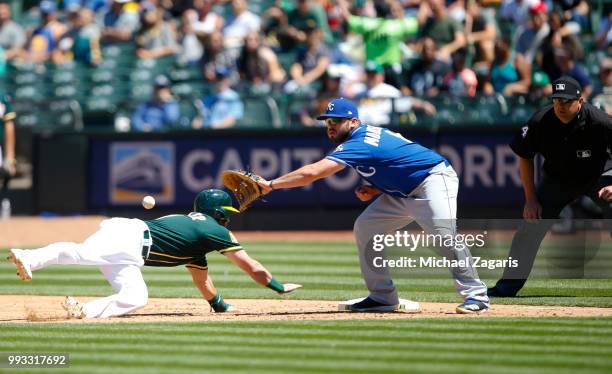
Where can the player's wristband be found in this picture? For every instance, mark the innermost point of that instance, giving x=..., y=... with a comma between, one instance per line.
x=271, y=188
x=218, y=304
x=275, y=285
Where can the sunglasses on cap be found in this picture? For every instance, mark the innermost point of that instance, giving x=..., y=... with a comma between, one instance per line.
x=563, y=101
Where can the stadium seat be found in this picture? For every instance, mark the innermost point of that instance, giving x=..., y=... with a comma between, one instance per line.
x=261, y=112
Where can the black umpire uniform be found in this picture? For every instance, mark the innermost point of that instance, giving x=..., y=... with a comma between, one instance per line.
x=575, y=155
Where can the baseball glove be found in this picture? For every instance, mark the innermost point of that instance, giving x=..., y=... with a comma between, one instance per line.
x=243, y=184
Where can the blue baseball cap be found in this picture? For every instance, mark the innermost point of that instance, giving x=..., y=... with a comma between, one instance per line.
x=47, y=7
x=340, y=108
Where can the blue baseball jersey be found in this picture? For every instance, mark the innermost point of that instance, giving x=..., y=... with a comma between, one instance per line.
x=386, y=159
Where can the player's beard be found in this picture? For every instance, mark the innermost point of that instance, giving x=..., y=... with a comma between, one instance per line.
x=339, y=137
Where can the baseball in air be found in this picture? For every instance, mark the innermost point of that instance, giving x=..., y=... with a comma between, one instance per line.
x=148, y=202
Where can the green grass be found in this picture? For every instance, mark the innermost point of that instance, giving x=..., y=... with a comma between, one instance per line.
x=331, y=272
x=475, y=345
x=328, y=271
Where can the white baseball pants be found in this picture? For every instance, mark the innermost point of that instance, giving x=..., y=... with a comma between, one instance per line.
x=433, y=205
x=116, y=248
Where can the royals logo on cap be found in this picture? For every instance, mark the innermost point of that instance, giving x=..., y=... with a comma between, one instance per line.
x=340, y=108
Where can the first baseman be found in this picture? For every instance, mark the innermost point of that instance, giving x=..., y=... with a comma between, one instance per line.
x=122, y=246
x=414, y=184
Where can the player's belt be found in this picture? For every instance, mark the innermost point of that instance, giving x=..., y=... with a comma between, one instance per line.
x=146, y=243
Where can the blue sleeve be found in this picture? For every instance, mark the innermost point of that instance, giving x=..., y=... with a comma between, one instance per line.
x=138, y=118
x=350, y=153
x=522, y=44
x=236, y=110
x=582, y=76
x=172, y=113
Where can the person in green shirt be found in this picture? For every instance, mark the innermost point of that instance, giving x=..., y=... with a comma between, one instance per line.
x=121, y=246
x=382, y=37
x=7, y=138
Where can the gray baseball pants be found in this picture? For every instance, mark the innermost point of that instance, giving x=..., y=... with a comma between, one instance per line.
x=433, y=205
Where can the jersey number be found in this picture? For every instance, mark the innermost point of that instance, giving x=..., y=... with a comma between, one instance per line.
x=197, y=216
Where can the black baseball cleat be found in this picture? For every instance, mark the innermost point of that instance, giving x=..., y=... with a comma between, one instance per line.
x=370, y=305
x=495, y=292
x=472, y=307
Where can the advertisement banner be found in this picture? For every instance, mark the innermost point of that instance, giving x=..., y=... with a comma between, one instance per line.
x=174, y=170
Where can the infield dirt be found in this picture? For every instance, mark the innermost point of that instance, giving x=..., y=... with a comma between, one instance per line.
x=28, y=308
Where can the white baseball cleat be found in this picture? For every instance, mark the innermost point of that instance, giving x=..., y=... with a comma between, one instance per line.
x=23, y=268
x=73, y=307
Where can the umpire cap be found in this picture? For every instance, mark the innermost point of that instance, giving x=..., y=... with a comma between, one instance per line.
x=566, y=88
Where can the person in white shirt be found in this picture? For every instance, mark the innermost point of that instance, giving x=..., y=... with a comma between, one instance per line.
x=238, y=26
x=378, y=100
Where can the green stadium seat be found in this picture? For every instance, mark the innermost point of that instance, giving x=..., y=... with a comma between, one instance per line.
x=102, y=76
x=189, y=111
x=185, y=74
x=141, y=92
x=31, y=92
x=261, y=112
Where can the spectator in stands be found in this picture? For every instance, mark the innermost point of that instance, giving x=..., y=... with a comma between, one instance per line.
x=436, y=24
x=161, y=112
x=330, y=88
x=461, y=80
x=7, y=139
x=216, y=56
x=44, y=38
x=531, y=38
x=480, y=31
x=311, y=62
x=561, y=33
x=383, y=37
x=378, y=100
x=516, y=11
x=603, y=36
x=305, y=16
x=93, y=5
x=223, y=109
x=120, y=22
x=81, y=42
x=12, y=35
x=202, y=20
x=241, y=23
x=603, y=97
x=155, y=38
x=540, y=89
x=258, y=64
x=426, y=76
x=567, y=65
x=507, y=77
x=580, y=15
x=191, y=49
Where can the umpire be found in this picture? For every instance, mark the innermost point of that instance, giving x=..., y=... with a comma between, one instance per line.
x=575, y=140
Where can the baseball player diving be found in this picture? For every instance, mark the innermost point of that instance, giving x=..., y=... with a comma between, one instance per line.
x=408, y=182
x=121, y=246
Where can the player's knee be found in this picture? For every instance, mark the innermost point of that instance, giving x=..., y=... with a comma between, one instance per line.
x=68, y=253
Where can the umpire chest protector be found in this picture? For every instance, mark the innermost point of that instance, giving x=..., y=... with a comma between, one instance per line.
x=574, y=152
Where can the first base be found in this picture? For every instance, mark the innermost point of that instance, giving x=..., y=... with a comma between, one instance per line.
x=405, y=306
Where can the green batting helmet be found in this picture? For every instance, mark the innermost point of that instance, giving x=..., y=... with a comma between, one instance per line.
x=215, y=203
